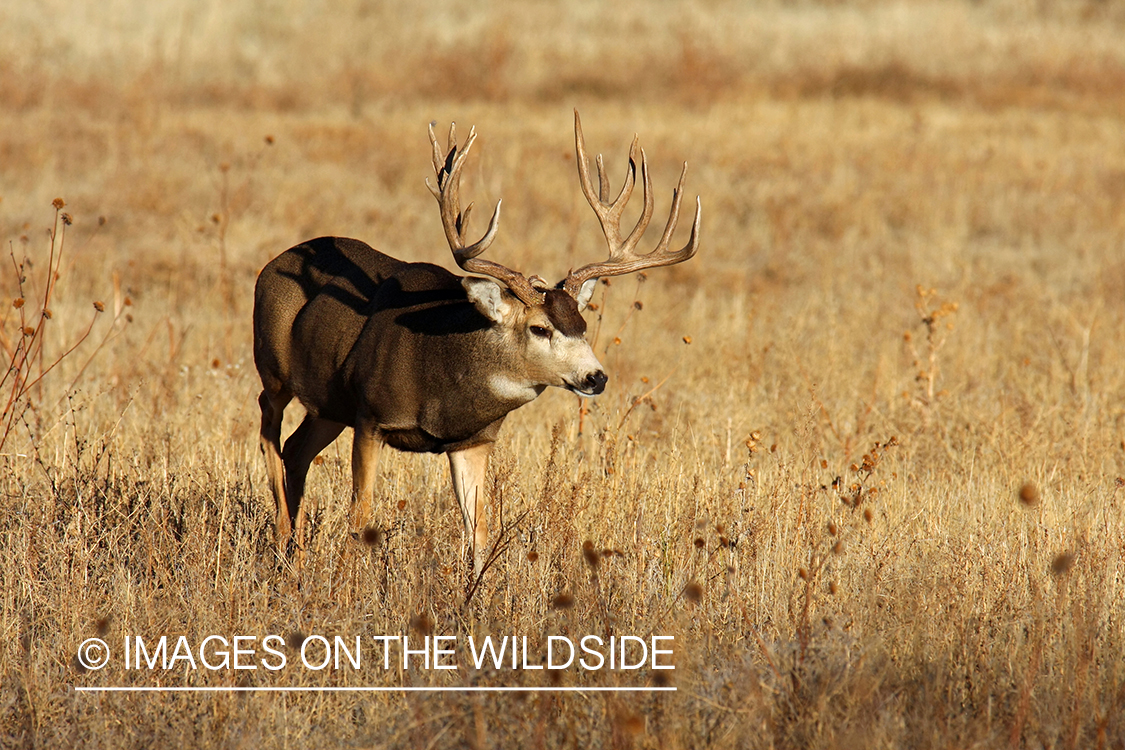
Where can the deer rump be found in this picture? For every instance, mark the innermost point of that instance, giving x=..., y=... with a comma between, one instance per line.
x=357, y=332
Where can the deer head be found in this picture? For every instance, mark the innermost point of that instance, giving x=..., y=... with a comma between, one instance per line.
x=546, y=323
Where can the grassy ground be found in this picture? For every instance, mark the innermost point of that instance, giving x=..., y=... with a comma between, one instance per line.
x=862, y=456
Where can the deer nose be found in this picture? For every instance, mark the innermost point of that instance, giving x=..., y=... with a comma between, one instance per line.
x=595, y=381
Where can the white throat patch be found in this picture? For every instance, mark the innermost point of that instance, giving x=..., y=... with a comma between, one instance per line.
x=507, y=389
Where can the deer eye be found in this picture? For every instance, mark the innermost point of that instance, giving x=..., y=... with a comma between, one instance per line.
x=541, y=332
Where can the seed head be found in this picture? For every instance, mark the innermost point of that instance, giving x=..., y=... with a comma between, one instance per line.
x=631, y=723
x=1029, y=495
x=372, y=537
x=58, y=203
x=590, y=553
x=422, y=624
x=1062, y=563
x=99, y=306
x=563, y=601
x=693, y=592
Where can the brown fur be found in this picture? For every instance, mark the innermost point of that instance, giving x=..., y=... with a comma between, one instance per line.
x=562, y=310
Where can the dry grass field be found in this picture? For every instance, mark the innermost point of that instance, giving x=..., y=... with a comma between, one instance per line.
x=862, y=457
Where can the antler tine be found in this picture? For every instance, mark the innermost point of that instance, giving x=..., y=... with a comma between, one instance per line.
x=438, y=158
x=609, y=213
x=673, y=217
x=646, y=214
x=455, y=221
x=603, y=179
x=623, y=257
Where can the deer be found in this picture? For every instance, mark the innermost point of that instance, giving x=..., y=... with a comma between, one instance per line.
x=410, y=355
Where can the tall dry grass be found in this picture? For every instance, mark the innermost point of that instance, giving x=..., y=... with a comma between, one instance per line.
x=877, y=498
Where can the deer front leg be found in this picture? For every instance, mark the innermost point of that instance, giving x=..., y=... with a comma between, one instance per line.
x=468, y=468
x=365, y=460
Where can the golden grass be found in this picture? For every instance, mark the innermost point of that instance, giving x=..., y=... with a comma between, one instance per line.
x=914, y=216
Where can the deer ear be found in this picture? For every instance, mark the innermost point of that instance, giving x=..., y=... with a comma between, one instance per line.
x=488, y=297
x=585, y=293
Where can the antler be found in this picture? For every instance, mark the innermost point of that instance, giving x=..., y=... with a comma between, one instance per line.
x=454, y=220
x=623, y=257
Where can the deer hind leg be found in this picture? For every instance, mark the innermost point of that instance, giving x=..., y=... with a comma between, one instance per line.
x=468, y=468
x=273, y=411
x=310, y=438
x=366, y=446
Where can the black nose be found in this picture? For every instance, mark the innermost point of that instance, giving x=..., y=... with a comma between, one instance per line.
x=596, y=381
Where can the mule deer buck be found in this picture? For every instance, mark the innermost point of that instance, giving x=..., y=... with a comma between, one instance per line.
x=411, y=355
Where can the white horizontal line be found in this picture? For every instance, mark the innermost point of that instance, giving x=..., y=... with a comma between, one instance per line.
x=373, y=689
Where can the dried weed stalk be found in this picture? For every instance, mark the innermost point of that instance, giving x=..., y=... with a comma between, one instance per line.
x=23, y=329
x=925, y=360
